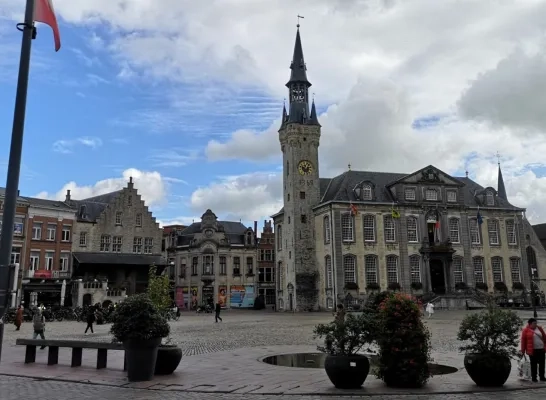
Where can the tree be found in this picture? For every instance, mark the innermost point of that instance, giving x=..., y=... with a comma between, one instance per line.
x=159, y=289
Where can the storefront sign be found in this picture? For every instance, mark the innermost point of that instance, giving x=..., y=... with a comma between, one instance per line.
x=42, y=274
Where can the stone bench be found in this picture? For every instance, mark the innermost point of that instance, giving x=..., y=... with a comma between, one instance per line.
x=77, y=347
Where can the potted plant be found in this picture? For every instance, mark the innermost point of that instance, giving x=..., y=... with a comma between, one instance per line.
x=518, y=287
x=461, y=286
x=342, y=341
x=140, y=327
x=416, y=286
x=404, y=342
x=482, y=286
x=491, y=340
x=351, y=286
x=394, y=286
x=169, y=354
x=501, y=287
x=373, y=286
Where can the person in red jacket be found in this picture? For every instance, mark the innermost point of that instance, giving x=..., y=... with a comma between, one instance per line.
x=533, y=342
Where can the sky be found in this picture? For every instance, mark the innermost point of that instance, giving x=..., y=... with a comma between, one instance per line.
x=186, y=96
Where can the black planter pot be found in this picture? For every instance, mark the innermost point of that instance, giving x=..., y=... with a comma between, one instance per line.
x=488, y=370
x=347, y=372
x=168, y=358
x=141, y=356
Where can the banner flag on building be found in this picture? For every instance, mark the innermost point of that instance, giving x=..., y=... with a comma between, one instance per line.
x=45, y=13
x=354, y=210
x=479, y=217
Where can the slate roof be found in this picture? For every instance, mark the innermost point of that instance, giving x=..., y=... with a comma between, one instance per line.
x=540, y=230
x=19, y=198
x=119, y=258
x=94, y=206
x=234, y=231
x=53, y=204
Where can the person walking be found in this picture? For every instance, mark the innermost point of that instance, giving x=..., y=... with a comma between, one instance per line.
x=38, y=324
x=533, y=343
x=90, y=320
x=19, y=318
x=430, y=310
x=217, y=310
x=339, y=315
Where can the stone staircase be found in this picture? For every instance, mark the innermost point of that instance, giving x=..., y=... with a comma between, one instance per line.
x=461, y=300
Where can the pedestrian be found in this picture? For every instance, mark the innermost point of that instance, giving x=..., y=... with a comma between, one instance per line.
x=430, y=309
x=339, y=315
x=38, y=324
x=533, y=342
x=90, y=320
x=18, y=318
x=217, y=309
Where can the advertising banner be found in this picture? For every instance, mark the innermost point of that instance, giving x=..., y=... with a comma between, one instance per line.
x=241, y=296
x=18, y=229
x=194, y=298
x=222, y=296
x=179, y=298
x=248, y=301
x=42, y=274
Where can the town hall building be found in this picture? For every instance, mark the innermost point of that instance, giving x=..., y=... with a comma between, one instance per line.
x=423, y=232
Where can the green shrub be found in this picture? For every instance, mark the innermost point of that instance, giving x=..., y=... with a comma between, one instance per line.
x=501, y=287
x=159, y=289
x=344, y=339
x=394, y=286
x=482, y=286
x=518, y=286
x=404, y=342
x=416, y=285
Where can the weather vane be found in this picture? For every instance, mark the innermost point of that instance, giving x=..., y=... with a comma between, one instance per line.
x=299, y=17
x=498, y=158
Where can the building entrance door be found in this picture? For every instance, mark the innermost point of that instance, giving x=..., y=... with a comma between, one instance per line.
x=437, y=277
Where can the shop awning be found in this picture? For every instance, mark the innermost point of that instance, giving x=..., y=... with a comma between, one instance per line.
x=49, y=287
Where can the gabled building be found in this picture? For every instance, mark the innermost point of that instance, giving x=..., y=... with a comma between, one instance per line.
x=266, y=265
x=339, y=239
x=216, y=261
x=115, y=241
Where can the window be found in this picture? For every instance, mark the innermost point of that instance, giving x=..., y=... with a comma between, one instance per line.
x=249, y=265
x=129, y=200
x=409, y=194
x=515, y=271
x=369, y=228
x=370, y=269
x=478, y=269
x=65, y=235
x=451, y=196
x=329, y=302
x=366, y=192
x=49, y=256
x=265, y=274
x=15, y=257
x=496, y=267
x=266, y=255
x=413, y=236
x=34, y=261
x=349, y=269
x=208, y=265
x=392, y=269
x=281, y=277
x=236, y=265
x=474, y=231
x=458, y=270
x=83, y=239
x=117, y=241
x=431, y=195
x=415, y=268
x=288, y=197
x=493, y=229
x=490, y=198
x=63, y=262
x=138, y=219
x=137, y=245
x=329, y=272
x=302, y=195
x=454, y=235
x=511, y=232
x=37, y=231
x=119, y=214
x=279, y=237
x=223, y=265
x=288, y=220
x=105, y=243
x=347, y=230
x=51, y=230
x=194, y=265
x=148, y=245
x=327, y=230
x=303, y=219
x=389, y=228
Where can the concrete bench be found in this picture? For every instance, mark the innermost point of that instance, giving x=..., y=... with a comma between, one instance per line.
x=77, y=347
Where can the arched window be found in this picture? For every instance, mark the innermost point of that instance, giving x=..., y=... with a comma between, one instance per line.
x=496, y=268
x=458, y=268
x=454, y=230
x=511, y=232
x=415, y=268
x=368, y=222
x=493, y=230
x=413, y=234
x=370, y=268
x=490, y=198
x=392, y=269
x=327, y=229
x=389, y=228
x=349, y=269
x=366, y=192
x=329, y=272
x=479, y=275
x=347, y=228
x=279, y=237
x=515, y=270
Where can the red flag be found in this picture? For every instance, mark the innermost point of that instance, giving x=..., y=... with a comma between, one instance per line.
x=437, y=224
x=354, y=210
x=45, y=13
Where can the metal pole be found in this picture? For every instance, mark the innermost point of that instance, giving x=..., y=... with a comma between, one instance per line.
x=14, y=166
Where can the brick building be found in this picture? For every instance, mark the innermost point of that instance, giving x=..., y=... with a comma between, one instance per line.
x=266, y=265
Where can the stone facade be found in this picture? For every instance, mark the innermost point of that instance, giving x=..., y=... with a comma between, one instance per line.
x=216, y=260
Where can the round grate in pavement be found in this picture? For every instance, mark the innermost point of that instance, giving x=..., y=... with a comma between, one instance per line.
x=316, y=360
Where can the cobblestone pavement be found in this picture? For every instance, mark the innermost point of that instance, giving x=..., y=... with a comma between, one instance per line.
x=12, y=388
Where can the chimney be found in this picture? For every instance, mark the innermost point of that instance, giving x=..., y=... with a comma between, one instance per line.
x=256, y=227
x=130, y=185
x=67, y=198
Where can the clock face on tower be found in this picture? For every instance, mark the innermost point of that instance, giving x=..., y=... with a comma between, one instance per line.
x=298, y=95
x=305, y=167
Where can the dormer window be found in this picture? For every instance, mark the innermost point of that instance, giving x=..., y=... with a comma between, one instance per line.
x=490, y=198
x=363, y=192
x=431, y=195
x=83, y=211
x=409, y=194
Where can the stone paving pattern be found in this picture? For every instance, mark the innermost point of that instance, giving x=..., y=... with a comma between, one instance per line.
x=222, y=360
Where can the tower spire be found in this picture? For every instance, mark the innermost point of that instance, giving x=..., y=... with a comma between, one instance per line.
x=298, y=69
x=501, y=189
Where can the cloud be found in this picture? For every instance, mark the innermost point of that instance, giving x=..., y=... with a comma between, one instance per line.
x=152, y=186
x=179, y=221
x=65, y=146
x=173, y=157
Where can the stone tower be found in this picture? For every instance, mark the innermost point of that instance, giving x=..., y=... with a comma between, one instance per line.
x=299, y=136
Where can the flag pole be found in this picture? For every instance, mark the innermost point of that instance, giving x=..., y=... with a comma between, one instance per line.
x=14, y=166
